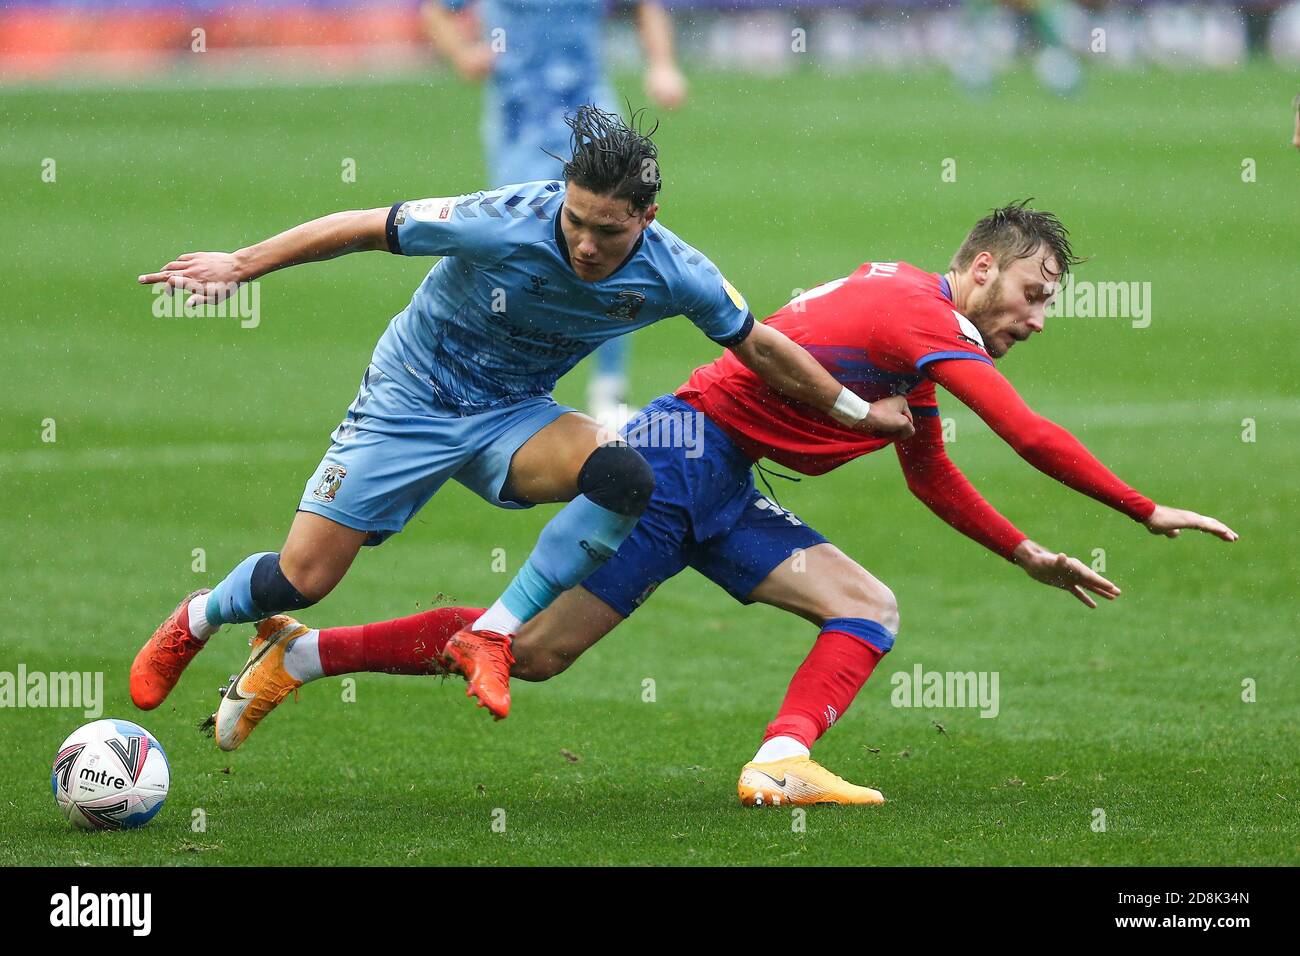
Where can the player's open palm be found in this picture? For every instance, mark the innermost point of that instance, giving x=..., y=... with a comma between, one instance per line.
x=1059, y=570
x=1170, y=521
x=210, y=277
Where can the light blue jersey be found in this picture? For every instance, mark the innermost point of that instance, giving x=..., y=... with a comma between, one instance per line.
x=547, y=63
x=503, y=315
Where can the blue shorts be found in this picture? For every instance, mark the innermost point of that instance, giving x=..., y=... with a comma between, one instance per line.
x=395, y=449
x=705, y=513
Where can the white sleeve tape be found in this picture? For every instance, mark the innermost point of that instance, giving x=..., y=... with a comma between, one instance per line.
x=850, y=408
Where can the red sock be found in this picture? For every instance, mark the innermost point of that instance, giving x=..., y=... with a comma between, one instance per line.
x=408, y=645
x=824, y=686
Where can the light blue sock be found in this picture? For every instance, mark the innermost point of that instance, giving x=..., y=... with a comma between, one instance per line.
x=574, y=543
x=231, y=601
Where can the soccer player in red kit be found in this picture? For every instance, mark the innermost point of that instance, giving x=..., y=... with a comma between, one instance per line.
x=888, y=332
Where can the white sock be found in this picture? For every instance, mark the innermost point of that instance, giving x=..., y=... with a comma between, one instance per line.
x=778, y=748
x=302, y=657
x=498, y=618
x=198, y=618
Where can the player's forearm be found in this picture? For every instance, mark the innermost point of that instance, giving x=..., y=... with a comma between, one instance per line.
x=655, y=26
x=330, y=236
x=790, y=369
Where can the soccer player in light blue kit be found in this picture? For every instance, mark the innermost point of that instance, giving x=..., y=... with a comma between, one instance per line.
x=533, y=277
x=541, y=59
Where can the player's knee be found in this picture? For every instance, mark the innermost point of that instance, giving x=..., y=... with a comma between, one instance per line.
x=615, y=476
x=865, y=597
x=272, y=588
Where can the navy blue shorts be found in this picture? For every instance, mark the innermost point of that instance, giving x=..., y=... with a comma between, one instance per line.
x=705, y=513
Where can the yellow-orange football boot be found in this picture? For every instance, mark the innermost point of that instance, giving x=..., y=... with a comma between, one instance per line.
x=798, y=782
x=262, y=684
x=483, y=658
x=158, y=666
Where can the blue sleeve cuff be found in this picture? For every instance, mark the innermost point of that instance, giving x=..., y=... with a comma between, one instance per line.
x=390, y=229
x=739, y=335
x=925, y=360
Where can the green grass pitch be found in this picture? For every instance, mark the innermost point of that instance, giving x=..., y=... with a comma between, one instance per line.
x=183, y=434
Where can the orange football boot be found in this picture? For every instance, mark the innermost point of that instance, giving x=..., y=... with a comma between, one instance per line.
x=158, y=666
x=262, y=684
x=484, y=659
x=798, y=782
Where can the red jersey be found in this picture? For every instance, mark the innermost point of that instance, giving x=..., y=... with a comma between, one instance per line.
x=891, y=329
x=875, y=331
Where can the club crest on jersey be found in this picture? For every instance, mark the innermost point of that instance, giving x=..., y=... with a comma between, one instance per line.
x=626, y=306
x=329, y=483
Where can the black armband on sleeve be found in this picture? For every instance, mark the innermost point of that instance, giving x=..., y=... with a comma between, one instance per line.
x=390, y=229
x=735, y=339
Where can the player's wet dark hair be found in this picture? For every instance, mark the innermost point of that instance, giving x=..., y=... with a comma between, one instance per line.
x=613, y=158
x=1016, y=232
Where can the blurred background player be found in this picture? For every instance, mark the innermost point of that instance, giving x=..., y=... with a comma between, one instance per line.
x=542, y=59
x=1046, y=22
x=1295, y=138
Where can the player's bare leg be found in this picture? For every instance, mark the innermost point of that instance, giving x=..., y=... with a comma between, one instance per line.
x=607, y=485
x=549, y=643
x=858, y=616
x=316, y=555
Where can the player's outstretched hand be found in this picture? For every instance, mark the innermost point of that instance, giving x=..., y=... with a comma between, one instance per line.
x=665, y=86
x=1170, y=521
x=210, y=277
x=1059, y=570
x=889, y=418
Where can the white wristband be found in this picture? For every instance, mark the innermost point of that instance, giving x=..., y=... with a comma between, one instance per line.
x=850, y=408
